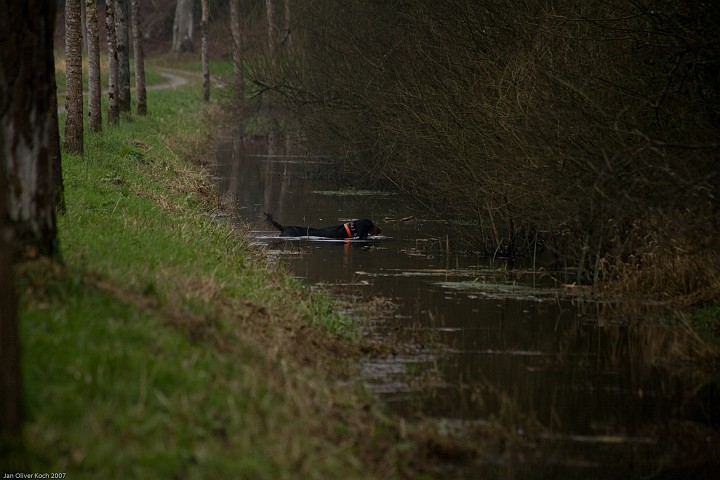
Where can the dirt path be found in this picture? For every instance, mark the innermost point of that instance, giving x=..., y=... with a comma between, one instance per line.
x=173, y=78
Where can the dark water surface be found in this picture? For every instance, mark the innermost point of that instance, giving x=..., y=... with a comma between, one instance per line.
x=569, y=388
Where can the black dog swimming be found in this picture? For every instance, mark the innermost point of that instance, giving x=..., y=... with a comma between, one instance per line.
x=359, y=229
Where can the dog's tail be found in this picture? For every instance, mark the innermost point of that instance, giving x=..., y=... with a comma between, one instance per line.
x=269, y=219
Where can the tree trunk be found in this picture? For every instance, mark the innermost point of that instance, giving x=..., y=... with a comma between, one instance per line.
x=271, y=28
x=83, y=18
x=93, y=48
x=237, y=54
x=204, y=48
x=113, y=111
x=123, y=54
x=26, y=127
x=54, y=151
x=73, y=72
x=183, y=27
x=10, y=379
x=140, y=90
x=27, y=193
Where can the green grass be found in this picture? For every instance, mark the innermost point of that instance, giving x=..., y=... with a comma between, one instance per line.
x=165, y=346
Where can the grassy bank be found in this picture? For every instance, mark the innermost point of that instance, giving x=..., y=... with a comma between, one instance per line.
x=164, y=345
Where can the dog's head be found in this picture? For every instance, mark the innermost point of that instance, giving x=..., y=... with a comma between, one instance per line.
x=366, y=227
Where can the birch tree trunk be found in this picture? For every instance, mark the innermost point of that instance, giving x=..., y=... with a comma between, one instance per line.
x=73, y=72
x=183, y=27
x=139, y=54
x=28, y=136
x=93, y=48
x=27, y=190
x=204, y=48
x=123, y=54
x=237, y=54
x=113, y=110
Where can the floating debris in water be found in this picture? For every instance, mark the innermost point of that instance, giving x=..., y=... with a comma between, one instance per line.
x=353, y=193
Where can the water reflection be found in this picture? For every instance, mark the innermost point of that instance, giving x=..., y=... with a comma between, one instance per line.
x=588, y=391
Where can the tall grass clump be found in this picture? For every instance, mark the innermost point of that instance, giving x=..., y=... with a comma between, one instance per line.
x=655, y=262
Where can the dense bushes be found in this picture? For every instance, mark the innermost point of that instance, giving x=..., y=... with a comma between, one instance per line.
x=586, y=125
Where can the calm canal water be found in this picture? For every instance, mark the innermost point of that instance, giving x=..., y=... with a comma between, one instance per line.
x=571, y=388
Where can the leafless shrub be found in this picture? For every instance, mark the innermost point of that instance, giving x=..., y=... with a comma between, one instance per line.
x=578, y=121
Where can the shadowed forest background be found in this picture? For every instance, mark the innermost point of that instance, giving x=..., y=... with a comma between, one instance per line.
x=583, y=133
x=574, y=134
